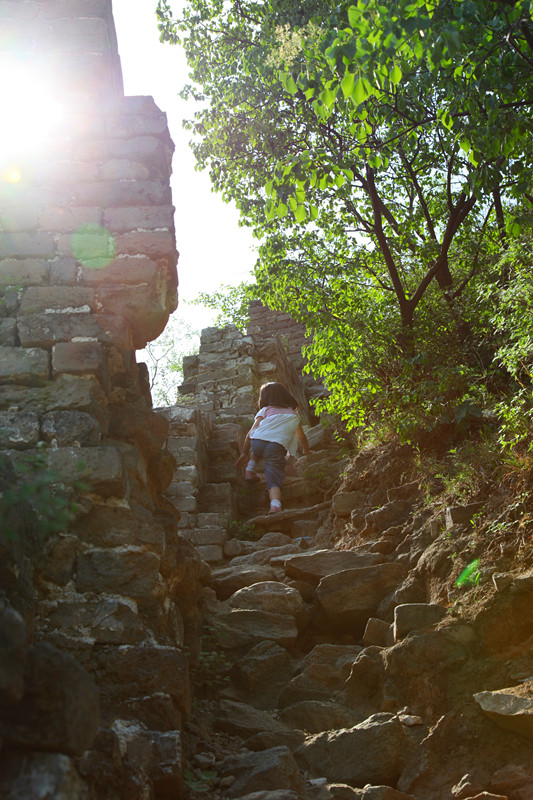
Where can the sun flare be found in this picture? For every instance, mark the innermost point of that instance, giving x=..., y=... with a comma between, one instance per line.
x=29, y=110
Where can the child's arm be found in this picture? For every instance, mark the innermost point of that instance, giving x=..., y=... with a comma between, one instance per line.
x=302, y=438
x=246, y=446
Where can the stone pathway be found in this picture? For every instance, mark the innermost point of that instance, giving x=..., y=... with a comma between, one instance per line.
x=289, y=616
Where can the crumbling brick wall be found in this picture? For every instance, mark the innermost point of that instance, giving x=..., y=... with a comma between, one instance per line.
x=97, y=613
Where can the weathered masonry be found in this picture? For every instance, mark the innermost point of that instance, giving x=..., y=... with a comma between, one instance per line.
x=95, y=616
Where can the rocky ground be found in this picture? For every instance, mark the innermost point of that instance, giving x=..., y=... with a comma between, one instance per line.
x=369, y=642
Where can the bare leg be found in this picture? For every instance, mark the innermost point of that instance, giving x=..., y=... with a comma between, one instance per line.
x=275, y=499
x=274, y=493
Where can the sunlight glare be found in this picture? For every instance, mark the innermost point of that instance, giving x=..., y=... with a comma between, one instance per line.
x=30, y=112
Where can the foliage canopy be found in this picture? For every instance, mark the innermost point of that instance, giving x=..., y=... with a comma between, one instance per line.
x=382, y=154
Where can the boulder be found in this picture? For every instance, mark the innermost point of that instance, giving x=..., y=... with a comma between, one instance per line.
x=272, y=769
x=158, y=754
x=263, y=672
x=347, y=599
x=228, y=580
x=272, y=539
x=35, y=775
x=460, y=515
x=378, y=632
x=371, y=752
x=511, y=709
x=240, y=719
x=410, y=661
x=315, y=716
x=242, y=628
x=313, y=566
x=293, y=739
x=267, y=555
x=273, y=597
x=413, y=616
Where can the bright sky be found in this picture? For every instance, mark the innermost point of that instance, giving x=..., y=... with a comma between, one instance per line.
x=213, y=249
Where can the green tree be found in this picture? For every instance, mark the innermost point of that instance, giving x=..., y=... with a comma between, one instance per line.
x=380, y=153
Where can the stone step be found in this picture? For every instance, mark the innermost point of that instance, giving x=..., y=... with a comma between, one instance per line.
x=282, y=521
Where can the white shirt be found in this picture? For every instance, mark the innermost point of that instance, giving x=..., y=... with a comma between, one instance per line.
x=278, y=425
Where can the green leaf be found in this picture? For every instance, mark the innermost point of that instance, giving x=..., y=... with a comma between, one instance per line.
x=353, y=15
x=300, y=214
x=290, y=85
x=347, y=84
x=395, y=75
x=360, y=93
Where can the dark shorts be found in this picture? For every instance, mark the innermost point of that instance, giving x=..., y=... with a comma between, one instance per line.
x=274, y=456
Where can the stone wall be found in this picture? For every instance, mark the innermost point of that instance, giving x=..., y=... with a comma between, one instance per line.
x=97, y=613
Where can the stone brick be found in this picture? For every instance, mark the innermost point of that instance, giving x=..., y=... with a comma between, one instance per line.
x=78, y=358
x=68, y=220
x=8, y=332
x=218, y=497
x=188, y=504
x=158, y=754
x=106, y=526
x=187, y=473
x=204, y=536
x=154, y=244
x=64, y=428
x=62, y=174
x=147, y=217
x=183, y=489
x=60, y=708
x=79, y=34
x=17, y=9
x=19, y=218
x=110, y=193
x=183, y=455
x=147, y=124
x=59, y=299
x=142, y=669
x=127, y=572
x=100, y=468
x=121, y=170
x=147, y=149
x=37, y=330
x=64, y=271
x=27, y=272
x=110, y=620
x=211, y=553
x=24, y=365
x=123, y=269
x=18, y=429
x=145, y=307
x=186, y=520
x=175, y=443
x=27, y=245
x=211, y=520
x=72, y=8
x=90, y=70
x=74, y=393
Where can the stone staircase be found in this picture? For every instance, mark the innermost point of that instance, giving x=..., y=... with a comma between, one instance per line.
x=335, y=663
x=347, y=676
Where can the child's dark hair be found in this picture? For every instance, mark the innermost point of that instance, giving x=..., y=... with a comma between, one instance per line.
x=275, y=394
